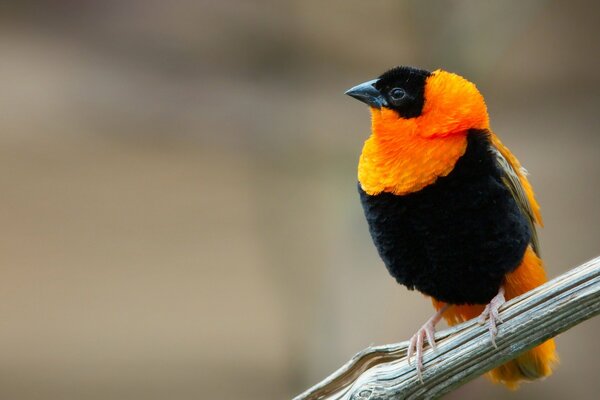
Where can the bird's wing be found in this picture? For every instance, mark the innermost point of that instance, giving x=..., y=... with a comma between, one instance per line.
x=515, y=178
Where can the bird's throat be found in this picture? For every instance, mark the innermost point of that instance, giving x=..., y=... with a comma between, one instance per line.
x=406, y=162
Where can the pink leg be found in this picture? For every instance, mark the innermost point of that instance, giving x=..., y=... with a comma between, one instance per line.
x=491, y=312
x=417, y=341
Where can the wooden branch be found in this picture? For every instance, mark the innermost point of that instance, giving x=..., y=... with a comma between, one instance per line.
x=465, y=351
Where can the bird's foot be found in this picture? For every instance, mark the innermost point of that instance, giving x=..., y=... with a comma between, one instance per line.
x=491, y=312
x=417, y=341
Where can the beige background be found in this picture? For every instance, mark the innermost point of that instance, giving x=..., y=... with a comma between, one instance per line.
x=179, y=216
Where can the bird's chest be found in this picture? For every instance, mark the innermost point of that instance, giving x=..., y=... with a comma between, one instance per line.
x=407, y=164
x=456, y=238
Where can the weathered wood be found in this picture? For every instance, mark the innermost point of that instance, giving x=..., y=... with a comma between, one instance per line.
x=465, y=351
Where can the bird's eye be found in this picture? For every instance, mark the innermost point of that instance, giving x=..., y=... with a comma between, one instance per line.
x=397, y=94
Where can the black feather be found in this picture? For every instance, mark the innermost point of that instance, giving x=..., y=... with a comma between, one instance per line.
x=457, y=238
x=412, y=80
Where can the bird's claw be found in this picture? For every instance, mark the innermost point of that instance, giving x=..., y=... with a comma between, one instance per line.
x=491, y=313
x=417, y=343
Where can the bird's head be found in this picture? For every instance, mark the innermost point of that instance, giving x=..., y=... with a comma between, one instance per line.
x=410, y=101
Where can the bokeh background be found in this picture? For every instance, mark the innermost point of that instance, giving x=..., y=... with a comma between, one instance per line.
x=179, y=216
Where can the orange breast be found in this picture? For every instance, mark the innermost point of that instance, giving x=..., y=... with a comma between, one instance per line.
x=397, y=159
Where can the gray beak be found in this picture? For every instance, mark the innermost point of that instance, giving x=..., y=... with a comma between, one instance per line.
x=367, y=93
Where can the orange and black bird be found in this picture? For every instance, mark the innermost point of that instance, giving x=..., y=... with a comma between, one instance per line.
x=448, y=206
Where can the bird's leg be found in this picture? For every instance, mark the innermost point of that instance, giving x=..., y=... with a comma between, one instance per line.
x=491, y=312
x=417, y=341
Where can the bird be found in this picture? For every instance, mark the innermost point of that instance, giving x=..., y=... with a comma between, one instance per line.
x=449, y=208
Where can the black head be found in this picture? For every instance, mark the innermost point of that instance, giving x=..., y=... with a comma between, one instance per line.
x=401, y=89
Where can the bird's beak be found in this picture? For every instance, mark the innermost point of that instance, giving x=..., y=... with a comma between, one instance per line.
x=367, y=93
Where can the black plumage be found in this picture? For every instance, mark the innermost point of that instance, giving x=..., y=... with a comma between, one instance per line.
x=457, y=238
x=412, y=82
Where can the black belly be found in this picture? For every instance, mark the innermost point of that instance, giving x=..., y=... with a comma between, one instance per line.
x=456, y=239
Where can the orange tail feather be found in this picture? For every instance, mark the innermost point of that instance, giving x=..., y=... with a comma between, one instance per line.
x=533, y=364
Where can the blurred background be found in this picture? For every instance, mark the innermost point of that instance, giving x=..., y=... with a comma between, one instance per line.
x=179, y=215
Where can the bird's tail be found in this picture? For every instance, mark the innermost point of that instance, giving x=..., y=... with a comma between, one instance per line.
x=533, y=364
